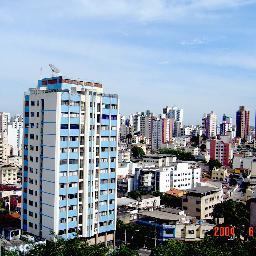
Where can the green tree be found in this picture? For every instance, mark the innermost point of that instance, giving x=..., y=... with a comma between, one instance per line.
x=124, y=250
x=195, y=141
x=214, y=163
x=235, y=214
x=135, y=194
x=203, y=147
x=181, y=155
x=137, y=152
x=171, y=248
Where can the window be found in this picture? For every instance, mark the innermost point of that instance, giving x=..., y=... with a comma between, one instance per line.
x=63, y=161
x=105, y=116
x=64, y=126
x=74, y=126
x=191, y=232
x=32, y=103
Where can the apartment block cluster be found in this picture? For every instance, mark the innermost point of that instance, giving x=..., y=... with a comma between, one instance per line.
x=176, y=179
x=11, y=133
x=189, y=181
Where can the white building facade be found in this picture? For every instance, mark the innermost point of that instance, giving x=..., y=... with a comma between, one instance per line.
x=70, y=160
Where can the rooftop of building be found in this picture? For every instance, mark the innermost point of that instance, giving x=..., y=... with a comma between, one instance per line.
x=175, y=192
x=125, y=201
x=148, y=196
x=172, y=210
x=161, y=215
x=62, y=80
x=202, y=190
x=158, y=156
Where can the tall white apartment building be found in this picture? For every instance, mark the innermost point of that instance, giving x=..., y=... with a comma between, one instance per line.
x=157, y=133
x=136, y=122
x=15, y=135
x=146, y=126
x=162, y=129
x=209, y=124
x=4, y=148
x=177, y=114
x=4, y=119
x=70, y=160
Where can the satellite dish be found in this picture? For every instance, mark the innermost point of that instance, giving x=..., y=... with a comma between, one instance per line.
x=54, y=69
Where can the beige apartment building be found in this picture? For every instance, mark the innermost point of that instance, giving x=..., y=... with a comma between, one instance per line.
x=9, y=174
x=219, y=174
x=200, y=201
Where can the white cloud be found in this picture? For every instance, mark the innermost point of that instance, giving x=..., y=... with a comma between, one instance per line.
x=150, y=10
x=133, y=10
x=194, y=41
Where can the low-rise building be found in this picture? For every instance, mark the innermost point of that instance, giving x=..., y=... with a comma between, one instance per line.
x=171, y=224
x=128, y=208
x=219, y=174
x=200, y=201
x=9, y=174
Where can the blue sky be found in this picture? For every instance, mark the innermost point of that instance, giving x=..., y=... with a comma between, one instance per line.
x=197, y=54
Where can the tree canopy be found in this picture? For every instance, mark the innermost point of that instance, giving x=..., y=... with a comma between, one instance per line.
x=137, y=152
x=214, y=163
x=181, y=155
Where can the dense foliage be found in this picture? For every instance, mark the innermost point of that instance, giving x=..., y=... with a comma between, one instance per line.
x=214, y=164
x=181, y=155
x=74, y=247
x=137, y=152
x=210, y=246
x=235, y=214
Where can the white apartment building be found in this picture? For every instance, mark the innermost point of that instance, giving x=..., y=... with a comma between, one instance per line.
x=4, y=119
x=157, y=128
x=4, y=148
x=185, y=175
x=179, y=175
x=146, y=126
x=15, y=135
x=158, y=160
x=209, y=124
x=70, y=160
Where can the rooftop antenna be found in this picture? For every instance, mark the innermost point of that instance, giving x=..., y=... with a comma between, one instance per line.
x=54, y=69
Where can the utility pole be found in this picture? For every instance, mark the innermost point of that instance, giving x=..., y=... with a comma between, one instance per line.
x=125, y=241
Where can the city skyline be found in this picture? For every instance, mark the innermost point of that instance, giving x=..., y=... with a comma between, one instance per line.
x=197, y=55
